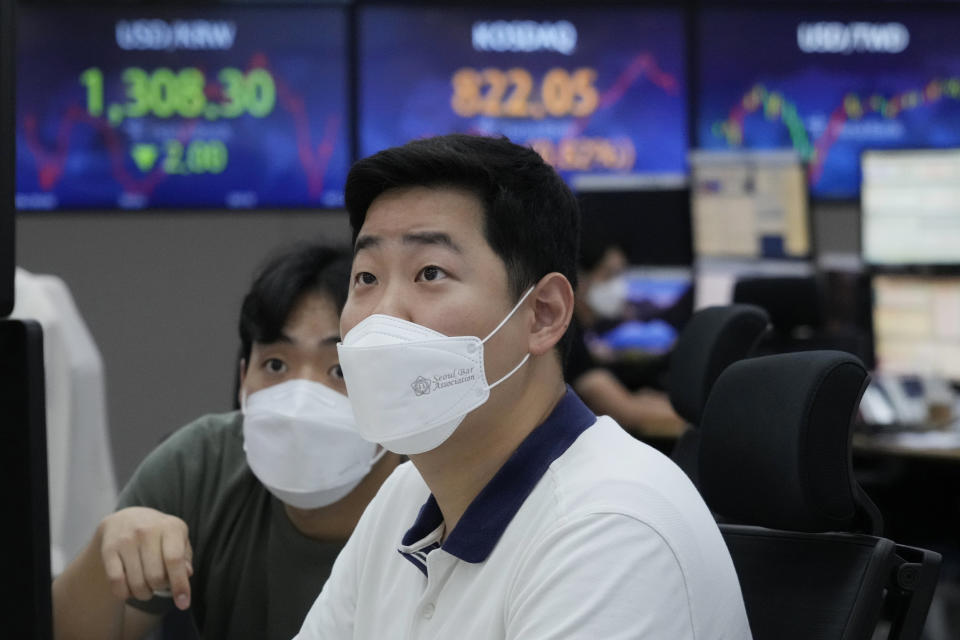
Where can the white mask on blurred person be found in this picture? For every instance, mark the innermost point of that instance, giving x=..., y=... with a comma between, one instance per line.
x=608, y=299
x=301, y=443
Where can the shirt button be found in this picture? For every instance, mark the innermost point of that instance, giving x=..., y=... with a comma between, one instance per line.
x=428, y=611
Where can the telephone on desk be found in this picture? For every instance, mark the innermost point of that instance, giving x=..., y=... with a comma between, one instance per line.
x=907, y=402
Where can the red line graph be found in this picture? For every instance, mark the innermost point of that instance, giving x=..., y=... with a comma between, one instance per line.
x=314, y=159
x=642, y=66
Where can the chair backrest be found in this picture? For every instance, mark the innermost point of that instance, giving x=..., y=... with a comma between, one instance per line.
x=712, y=339
x=775, y=458
x=830, y=586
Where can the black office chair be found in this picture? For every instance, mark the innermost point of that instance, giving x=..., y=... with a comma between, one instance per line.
x=775, y=459
x=712, y=339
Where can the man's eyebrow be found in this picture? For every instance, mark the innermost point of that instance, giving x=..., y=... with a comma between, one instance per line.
x=431, y=238
x=365, y=242
x=416, y=238
x=331, y=339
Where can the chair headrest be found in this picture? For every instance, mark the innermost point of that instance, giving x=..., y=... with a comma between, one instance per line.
x=712, y=339
x=791, y=301
x=775, y=443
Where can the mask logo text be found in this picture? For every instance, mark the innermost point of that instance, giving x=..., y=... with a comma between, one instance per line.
x=423, y=386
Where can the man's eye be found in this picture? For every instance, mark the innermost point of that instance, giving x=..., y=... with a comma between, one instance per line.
x=431, y=273
x=275, y=365
x=336, y=372
x=365, y=278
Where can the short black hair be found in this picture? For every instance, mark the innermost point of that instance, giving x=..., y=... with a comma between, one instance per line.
x=283, y=281
x=531, y=218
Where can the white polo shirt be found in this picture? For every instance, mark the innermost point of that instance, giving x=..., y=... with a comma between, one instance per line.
x=584, y=532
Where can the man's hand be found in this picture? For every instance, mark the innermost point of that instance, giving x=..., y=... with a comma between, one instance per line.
x=145, y=552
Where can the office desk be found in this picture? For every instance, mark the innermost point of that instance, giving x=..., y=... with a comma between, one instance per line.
x=937, y=445
x=940, y=445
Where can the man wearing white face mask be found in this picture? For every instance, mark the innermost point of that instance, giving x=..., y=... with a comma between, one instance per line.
x=521, y=514
x=602, y=298
x=238, y=517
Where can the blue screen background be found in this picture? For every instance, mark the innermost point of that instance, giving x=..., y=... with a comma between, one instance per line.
x=752, y=71
x=296, y=156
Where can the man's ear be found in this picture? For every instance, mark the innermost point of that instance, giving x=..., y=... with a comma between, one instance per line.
x=552, y=311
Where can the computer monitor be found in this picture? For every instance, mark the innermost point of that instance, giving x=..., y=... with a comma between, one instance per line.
x=911, y=208
x=7, y=222
x=26, y=606
x=182, y=105
x=659, y=304
x=651, y=225
x=916, y=324
x=749, y=204
x=594, y=89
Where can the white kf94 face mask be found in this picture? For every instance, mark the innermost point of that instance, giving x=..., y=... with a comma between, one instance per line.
x=411, y=386
x=609, y=299
x=301, y=443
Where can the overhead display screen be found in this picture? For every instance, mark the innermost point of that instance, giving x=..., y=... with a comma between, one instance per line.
x=830, y=84
x=130, y=108
x=595, y=92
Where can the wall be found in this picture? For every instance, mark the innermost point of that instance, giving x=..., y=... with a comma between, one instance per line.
x=161, y=293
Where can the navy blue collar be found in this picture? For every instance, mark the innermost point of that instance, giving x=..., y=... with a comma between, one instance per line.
x=487, y=517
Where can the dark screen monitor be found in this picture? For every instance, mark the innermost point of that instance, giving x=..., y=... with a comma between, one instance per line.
x=829, y=82
x=652, y=225
x=7, y=223
x=598, y=90
x=26, y=606
x=182, y=106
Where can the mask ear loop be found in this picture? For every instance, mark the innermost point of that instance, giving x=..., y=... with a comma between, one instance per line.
x=512, y=371
x=376, y=458
x=509, y=315
x=503, y=322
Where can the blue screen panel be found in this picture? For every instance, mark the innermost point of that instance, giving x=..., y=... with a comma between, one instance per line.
x=600, y=91
x=128, y=108
x=830, y=84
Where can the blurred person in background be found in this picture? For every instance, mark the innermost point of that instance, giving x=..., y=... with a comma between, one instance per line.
x=601, y=298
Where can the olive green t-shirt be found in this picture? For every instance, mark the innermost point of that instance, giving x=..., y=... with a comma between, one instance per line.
x=255, y=575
